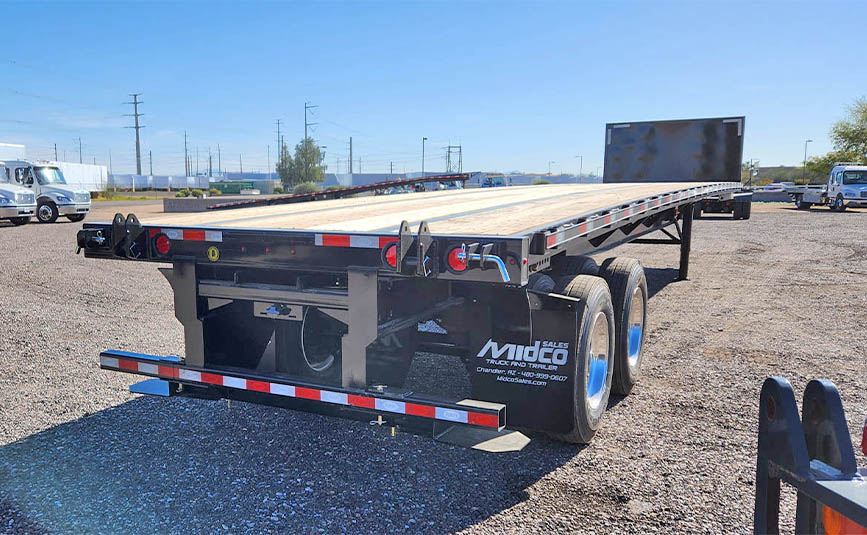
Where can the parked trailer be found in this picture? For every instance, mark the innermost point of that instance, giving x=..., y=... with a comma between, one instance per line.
x=814, y=454
x=681, y=149
x=329, y=316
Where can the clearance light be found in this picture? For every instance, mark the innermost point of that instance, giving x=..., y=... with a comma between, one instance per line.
x=162, y=244
x=457, y=259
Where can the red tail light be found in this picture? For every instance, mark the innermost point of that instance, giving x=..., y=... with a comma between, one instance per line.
x=457, y=260
x=162, y=244
x=389, y=254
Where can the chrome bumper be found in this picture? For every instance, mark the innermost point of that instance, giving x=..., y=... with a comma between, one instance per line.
x=26, y=210
x=72, y=209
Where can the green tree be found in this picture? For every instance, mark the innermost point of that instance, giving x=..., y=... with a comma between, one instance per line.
x=850, y=142
x=850, y=134
x=306, y=166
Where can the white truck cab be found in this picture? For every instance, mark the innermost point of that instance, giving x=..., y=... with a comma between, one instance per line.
x=847, y=186
x=17, y=204
x=54, y=198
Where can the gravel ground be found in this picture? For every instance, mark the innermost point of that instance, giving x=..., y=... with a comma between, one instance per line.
x=781, y=294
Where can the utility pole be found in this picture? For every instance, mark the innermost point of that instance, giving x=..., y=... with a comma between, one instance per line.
x=307, y=164
x=241, y=163
x=55, y=152
x=210, y=164
x=219, y=160
x=279, y=144
x=307, y=106
x=359, y=165
x=186, y=158
x=453, y=164
x=80, y=160
x=580, y=167
x=269, y=163
x=391, y=168
x=422, y=155
x=350, y=155
x=109, y=163
x=806, y=181
x=197, y=161
x=151, y=159
x=135, y=102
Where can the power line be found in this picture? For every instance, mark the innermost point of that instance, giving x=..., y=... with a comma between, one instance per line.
x=135, y=102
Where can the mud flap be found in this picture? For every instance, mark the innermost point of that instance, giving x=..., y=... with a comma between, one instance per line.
x=533, y=376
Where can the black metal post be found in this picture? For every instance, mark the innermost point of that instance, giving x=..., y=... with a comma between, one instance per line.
x=685, y=241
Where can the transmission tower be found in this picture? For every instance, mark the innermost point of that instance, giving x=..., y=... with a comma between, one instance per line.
x=454, y=159
x=135, y=102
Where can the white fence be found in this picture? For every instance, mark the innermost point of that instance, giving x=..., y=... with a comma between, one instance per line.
x=158, y=182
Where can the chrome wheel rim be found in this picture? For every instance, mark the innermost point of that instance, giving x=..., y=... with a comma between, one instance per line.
x=45, y=212
x=635, y=329
x=597, y=361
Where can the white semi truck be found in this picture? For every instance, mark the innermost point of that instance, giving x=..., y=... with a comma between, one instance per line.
x=17, y=204
x=846, y=187
x=54, y=198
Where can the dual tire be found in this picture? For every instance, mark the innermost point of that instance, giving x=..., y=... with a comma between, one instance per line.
x=611, y=326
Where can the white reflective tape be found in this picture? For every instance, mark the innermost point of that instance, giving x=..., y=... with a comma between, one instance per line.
x=235, y=382
x=317, y=239
x=333, y=397
x=173, y=234
x=189, y=375
x=367, y=242
x=451, y=415
x=144, y=367
x=283, y=390
x=388, y=405
x=213, y=235
x=109, y=362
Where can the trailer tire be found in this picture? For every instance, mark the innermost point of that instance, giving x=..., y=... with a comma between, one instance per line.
x=319, y=355
x=628, y=284
x=571, y=266
x=47, y=212
x=540, y=282
x=75, y=218
x=696, y=211
x=801, y=204
x=18, y=221
x=592, y=376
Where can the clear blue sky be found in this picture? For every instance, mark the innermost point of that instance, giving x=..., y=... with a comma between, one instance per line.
x=516, y=84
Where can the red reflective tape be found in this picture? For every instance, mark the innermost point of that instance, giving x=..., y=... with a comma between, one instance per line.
x=487, y=420
x=153, y=232
x=335, y=240
x=306, y=393
x=607, y=219
x=212, y=378
x=414, y=409
x=362, y=401
x=385, y=240
x=582, y=228
x=258, y=386
x=551, y=240
x=167, y=371
x=129, y=365
x=194, y=235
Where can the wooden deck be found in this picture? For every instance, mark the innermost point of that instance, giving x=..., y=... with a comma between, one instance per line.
x=488, y=211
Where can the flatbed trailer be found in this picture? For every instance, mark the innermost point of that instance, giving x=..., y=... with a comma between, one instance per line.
x=317, y=306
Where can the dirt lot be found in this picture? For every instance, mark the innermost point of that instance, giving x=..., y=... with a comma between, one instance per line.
x=781, y=294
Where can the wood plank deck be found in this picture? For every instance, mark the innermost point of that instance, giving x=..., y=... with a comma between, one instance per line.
x=486, y=211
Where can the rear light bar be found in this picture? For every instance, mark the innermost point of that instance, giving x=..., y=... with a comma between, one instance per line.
x=490, y=416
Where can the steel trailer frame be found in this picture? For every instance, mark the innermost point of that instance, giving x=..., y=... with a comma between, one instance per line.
x=812, y=453
x=215, y=269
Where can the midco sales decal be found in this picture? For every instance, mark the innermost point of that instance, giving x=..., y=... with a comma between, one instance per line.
x=534, y=365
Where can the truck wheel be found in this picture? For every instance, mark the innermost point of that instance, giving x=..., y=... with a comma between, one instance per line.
x=747, y=209
x=75, y=218
x=540, y=282
x=838, y=204
x=625, y=278
x=18, y=221
x=594, y=362
x=696, y=211
x=46, y=212
x=801, y=204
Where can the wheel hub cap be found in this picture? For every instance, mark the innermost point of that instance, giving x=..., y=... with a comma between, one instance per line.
x=597, y=369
